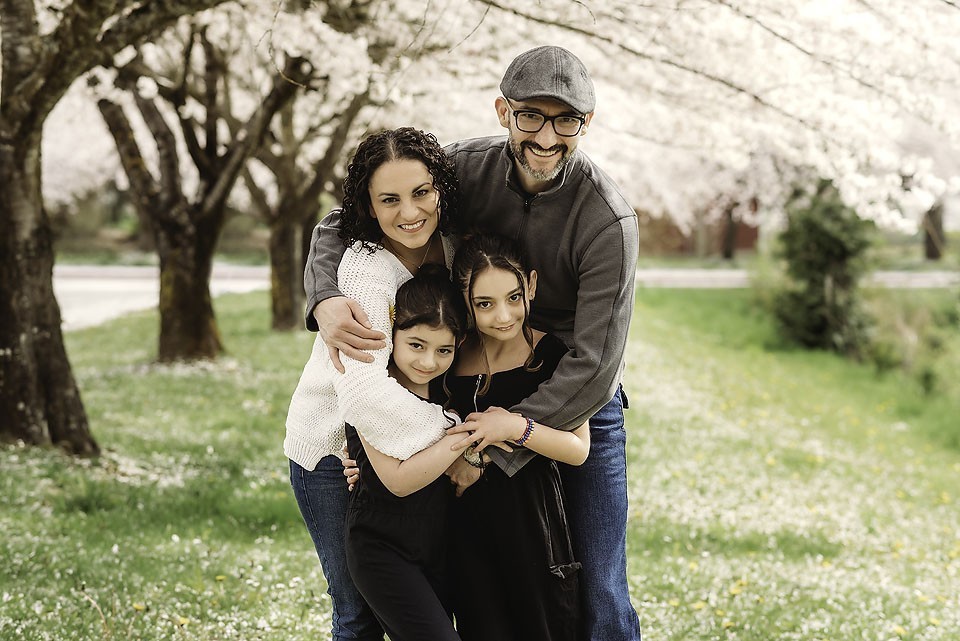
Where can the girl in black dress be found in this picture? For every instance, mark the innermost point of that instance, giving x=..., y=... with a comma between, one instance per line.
x=512, y=560
x=397, y=514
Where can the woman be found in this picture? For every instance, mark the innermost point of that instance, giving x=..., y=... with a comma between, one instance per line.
x=399, y=204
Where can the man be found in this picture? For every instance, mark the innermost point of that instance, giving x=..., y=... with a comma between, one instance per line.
x=580, y=235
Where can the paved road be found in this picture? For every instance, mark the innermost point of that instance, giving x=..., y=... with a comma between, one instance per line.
x=733, y=278
x=92, y=294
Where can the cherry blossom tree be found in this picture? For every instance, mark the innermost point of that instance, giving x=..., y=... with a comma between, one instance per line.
x=305, y=147
x=187, y=219
x=705, y=108
x=823, y=87
x=693, y=92
x=45, y=48
x=310, y=143
x=355, y=59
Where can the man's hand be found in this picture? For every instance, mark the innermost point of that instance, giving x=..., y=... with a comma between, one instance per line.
x=496, y=427
x=462, y=474
x=344, y=327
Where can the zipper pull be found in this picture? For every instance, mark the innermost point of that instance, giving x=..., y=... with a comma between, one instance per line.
x=476, y=390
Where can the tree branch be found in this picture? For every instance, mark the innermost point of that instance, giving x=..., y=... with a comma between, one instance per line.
x=141, y=20
x=169, y=160
x=178, y=98
x=807, y=52
x=334, y=152
x=91, y=32
x=142, y=184
x=20, y=46
x=296, y=73
x=212, y=72
x=189, y=126
x=727, y=84
x=257, y=195
x=175, y=95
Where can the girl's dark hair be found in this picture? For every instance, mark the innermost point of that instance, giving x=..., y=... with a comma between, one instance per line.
x=430, y=299
x=405, y=143
x=479, y=252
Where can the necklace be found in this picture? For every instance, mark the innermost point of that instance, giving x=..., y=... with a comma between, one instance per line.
x=416, y=266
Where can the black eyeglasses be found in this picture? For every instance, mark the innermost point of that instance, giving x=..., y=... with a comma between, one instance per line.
x=531, y=122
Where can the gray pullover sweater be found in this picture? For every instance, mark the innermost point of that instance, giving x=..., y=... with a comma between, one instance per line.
x=580, y=235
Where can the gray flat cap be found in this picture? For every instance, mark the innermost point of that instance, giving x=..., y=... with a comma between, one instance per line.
x=550, y=72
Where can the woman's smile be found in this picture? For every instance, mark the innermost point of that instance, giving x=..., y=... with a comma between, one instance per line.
x=413, y=227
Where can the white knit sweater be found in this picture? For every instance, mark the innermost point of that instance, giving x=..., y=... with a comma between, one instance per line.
x=390, y=418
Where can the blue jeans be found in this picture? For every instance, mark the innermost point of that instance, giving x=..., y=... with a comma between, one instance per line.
x=596, y=495
x=322, y=496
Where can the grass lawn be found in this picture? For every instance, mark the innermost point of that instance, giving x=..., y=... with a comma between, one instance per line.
x=783, y=494
x=774, y=494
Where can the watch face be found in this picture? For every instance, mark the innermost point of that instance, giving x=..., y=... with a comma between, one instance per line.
x=473, y=457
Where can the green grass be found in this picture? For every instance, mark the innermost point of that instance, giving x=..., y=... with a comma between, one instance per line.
x=775, y=493
x=783, y=494
x=900, y=252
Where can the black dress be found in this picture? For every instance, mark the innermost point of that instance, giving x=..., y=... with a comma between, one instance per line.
x=397, y=552
x=512, y=561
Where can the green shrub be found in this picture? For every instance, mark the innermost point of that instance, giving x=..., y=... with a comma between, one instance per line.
x=823, y=247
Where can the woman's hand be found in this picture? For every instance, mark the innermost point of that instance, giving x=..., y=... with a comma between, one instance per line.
x=350, y=470
x=496, y=427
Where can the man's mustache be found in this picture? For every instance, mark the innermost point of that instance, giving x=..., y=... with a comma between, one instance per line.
x=557, y=147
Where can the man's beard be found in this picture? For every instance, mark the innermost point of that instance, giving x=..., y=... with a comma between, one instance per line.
x=539, y=174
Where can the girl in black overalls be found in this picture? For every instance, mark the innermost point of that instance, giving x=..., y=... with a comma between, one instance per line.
x=397, y=514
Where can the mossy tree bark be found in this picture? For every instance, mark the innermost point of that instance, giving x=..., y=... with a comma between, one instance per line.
x=40, y=401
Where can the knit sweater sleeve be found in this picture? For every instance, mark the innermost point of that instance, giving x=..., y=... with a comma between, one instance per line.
x=391, y=418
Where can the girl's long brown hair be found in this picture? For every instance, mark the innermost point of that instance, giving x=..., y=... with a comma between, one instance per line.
x=478, y=253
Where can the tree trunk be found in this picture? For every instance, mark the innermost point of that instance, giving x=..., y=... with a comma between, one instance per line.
x=39, y=399
x=934, y=239
x=188, y=326
x=728, y=246
x=144, y=234
x=286, y=276
x=701, y=237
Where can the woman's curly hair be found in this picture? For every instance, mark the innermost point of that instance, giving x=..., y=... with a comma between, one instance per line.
x=405, y=143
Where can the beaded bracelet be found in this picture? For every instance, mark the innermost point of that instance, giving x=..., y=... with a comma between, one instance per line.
x=526, y=433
